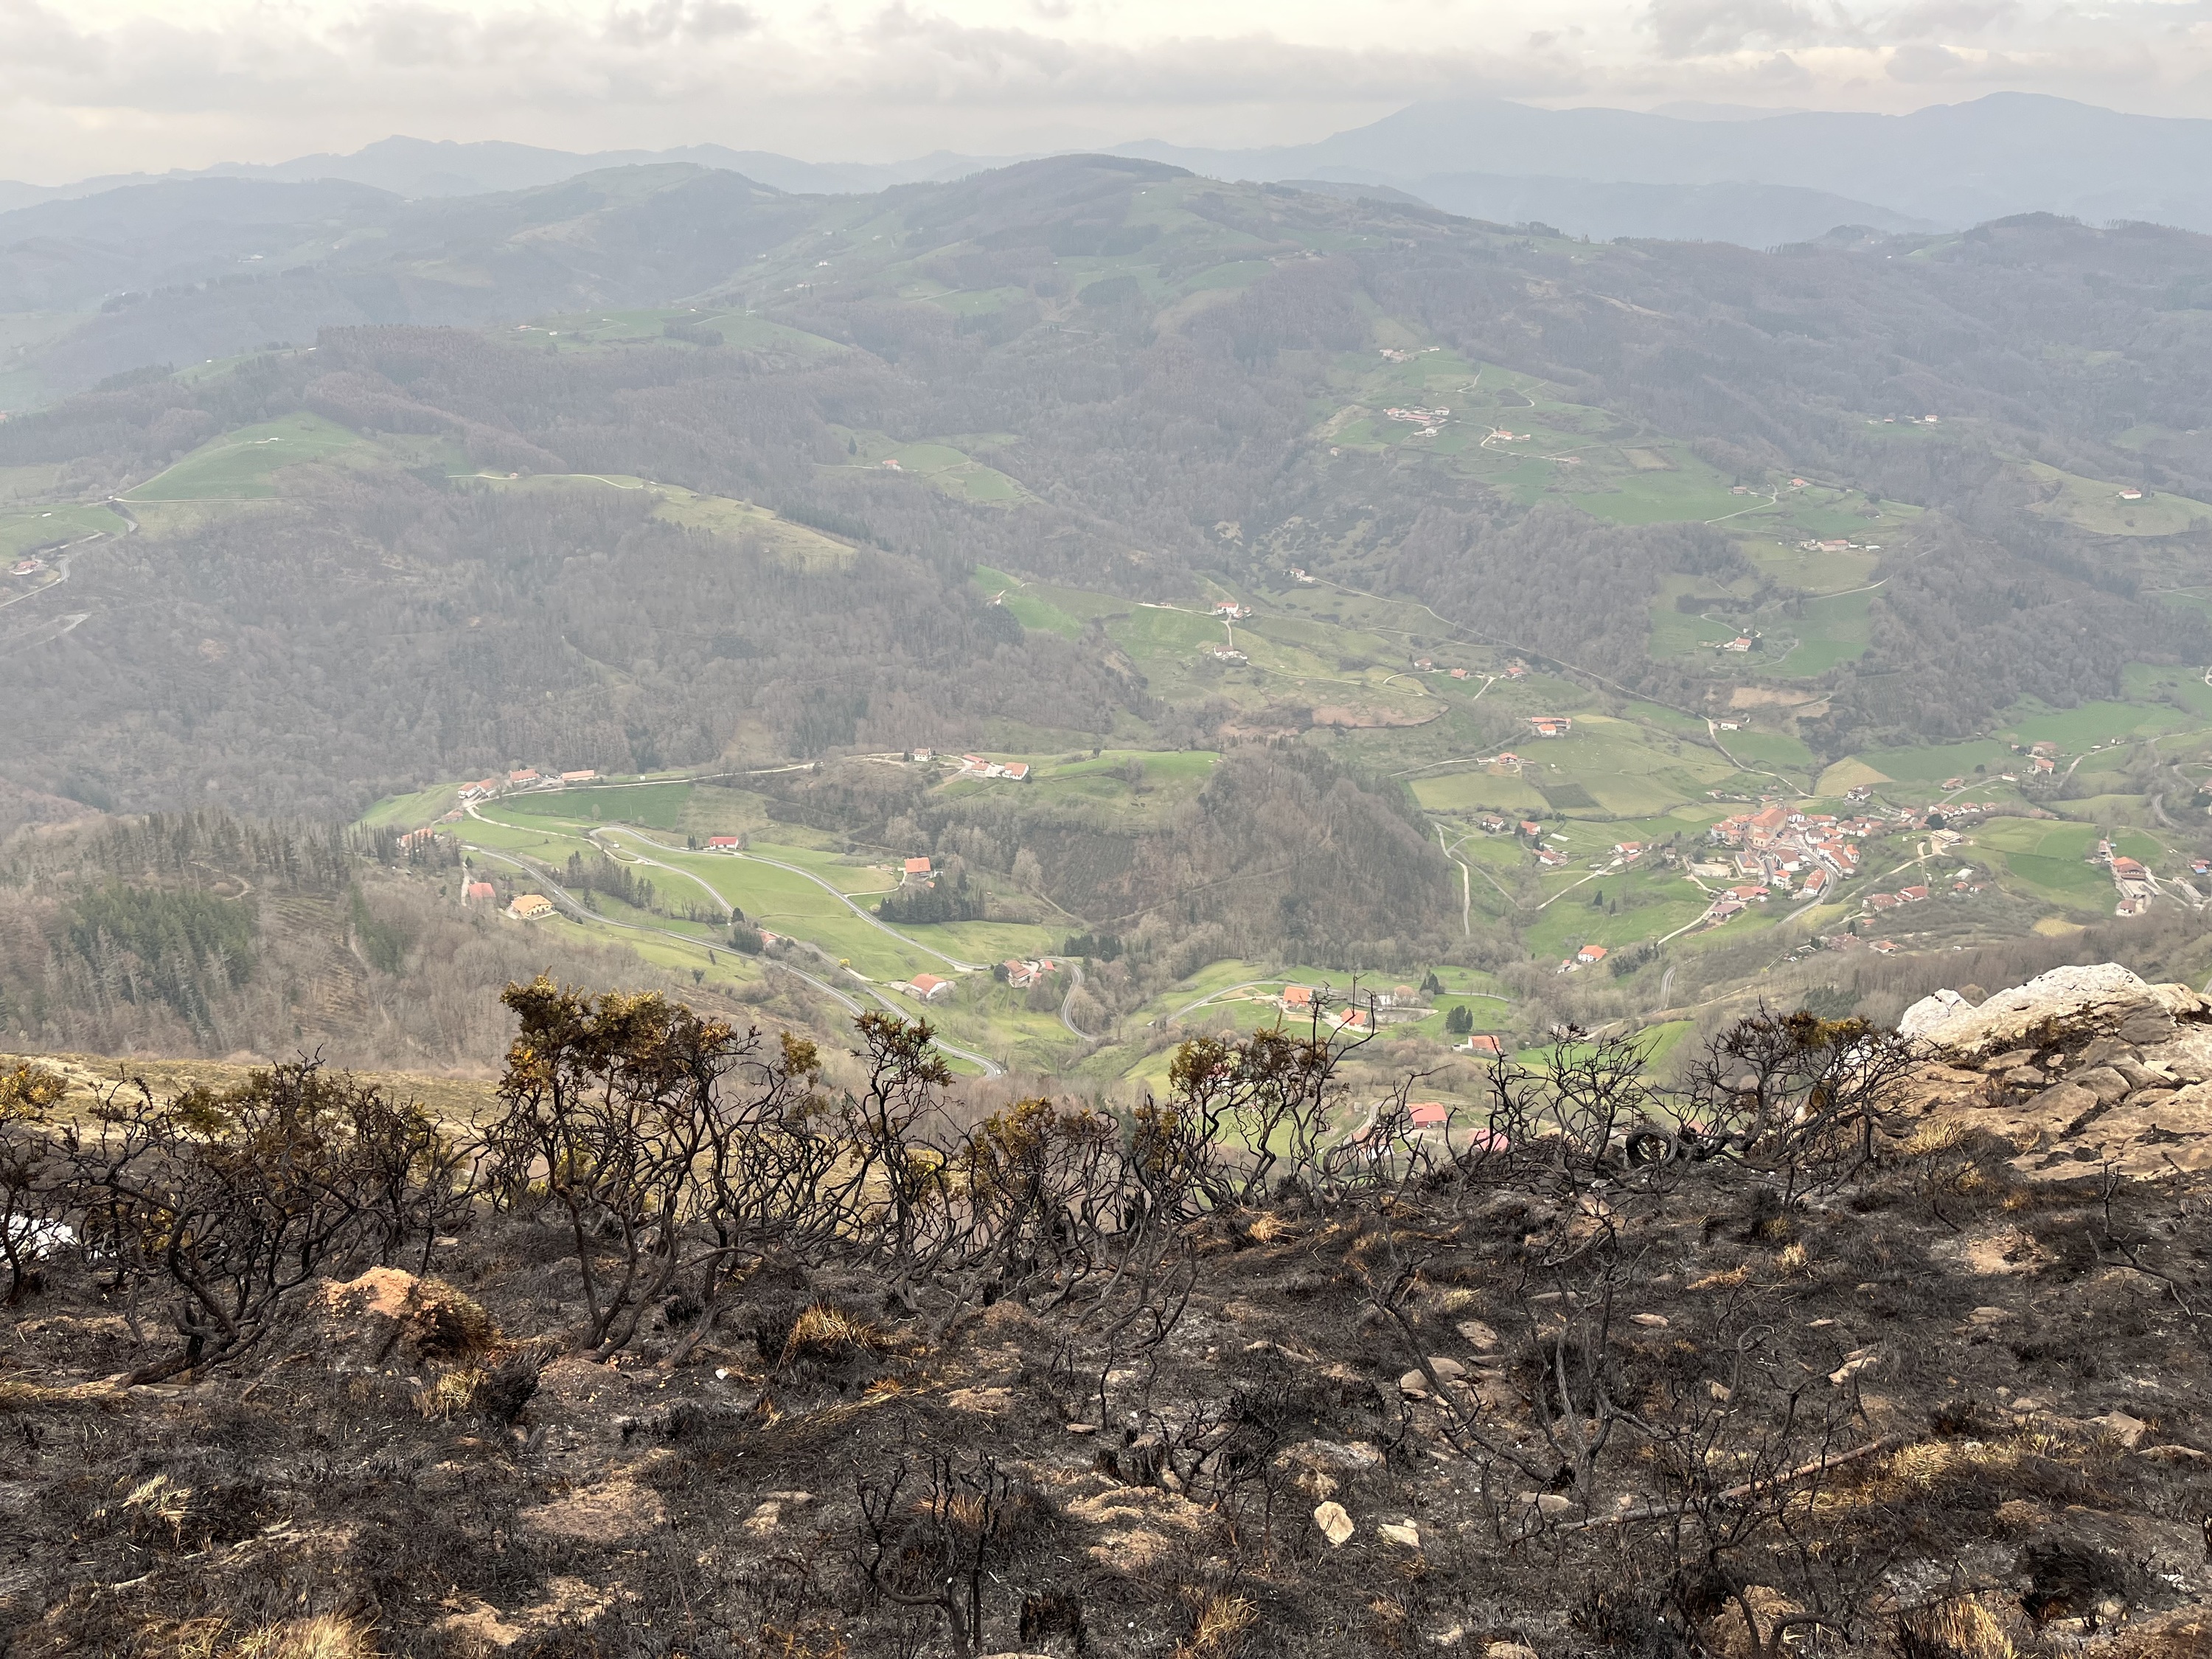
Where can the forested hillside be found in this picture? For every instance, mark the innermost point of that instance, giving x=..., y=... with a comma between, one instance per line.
x=1231, y=579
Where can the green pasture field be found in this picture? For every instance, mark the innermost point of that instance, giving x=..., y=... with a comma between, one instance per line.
x=1478, y=789
x=2089, y=504
x=28, y=529
x=2105, y=809
x=1829, y=631
x=798, y=544
x=1813, y=572
x=2144, y=682
x=1933, y=763
x=241, y=464
x=1774, y=749
x=656, y=805
x=2077, y=729
x=412, y=811
x=2046, y=860
x=940, y=465
x=990, y=941
x=1689, y=491
x=38, y=481
x=1650, y=905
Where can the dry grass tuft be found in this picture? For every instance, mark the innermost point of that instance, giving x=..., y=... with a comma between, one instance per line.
x=824, y=1332
x=1935, y=1137
x=452, y=1394
x=1223, y=1623
x=327, y=1636
x=1956, y=1629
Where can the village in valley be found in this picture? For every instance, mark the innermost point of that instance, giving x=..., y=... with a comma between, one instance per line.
x=1614, y=839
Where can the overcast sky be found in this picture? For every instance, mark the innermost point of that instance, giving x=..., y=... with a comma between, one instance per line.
x=96, y=86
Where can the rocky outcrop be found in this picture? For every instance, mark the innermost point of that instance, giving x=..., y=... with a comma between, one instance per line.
x=2080, y=1069
x=2106, y=1000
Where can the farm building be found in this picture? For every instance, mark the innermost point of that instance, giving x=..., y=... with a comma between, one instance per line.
x=530, y=907
x=929, y=987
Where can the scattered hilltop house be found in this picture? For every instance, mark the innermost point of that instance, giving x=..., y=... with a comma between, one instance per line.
x=2046, y=747
x=1485, y=1045
x=1740, y=643
x=1796, y=483
x=2131, y=495
x=1549, y=857
x=1590, y=954
x=523, y=779
x=1231, y=655
x=1021, y=974
x=2042, y=763
x=1459, y=673
x=422, y=838
x=892, y=466
x=28, y=567
x=1530, y=828
x=587, y=776
x=2126, y=869
x=478, y=893
x=1297, y=999
x=1551, y=725
x=1882, y=900
x=1017, y=770
x=1301, y=578
x=928, y=988
x=915, y=870
x=1913, y=895
x=1491, y=824
x=1230, y=609
x=923, y=756
x=723, y=843
x=1517, y=670
x=1628, y=851
x=1954, y=783
x=1428, y=1115
x=530, y=907
x=1506, y=757
x=1353, y=1019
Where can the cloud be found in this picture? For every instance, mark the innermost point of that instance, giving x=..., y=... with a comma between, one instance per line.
x=84, y=92
x=1694, y=28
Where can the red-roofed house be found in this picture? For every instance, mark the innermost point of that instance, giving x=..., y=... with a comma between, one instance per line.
x=1913, y=895
x=1590, y=953
x=722, y=843
x=1429, y=1114
x=477, y=892
x=1298, y=996
x=917, y=866
x=929, y=987
x=527, y=775
x=587, y=776
x=1017, y=770
x=1485, y=1045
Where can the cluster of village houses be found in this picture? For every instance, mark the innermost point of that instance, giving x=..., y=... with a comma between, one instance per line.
x=1019, y=973
x=2138, y=886
x=974, y=766
x=525, y=778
